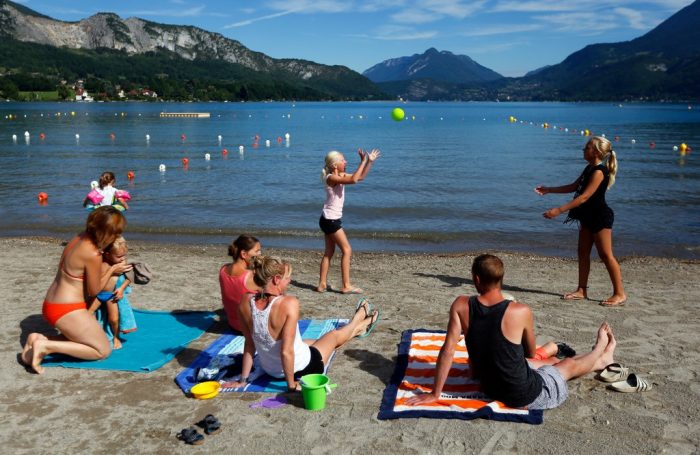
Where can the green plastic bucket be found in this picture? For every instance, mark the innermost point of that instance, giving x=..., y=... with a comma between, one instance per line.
x=314, y=388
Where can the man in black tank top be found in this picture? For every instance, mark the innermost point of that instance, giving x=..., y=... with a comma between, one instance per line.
x=500, y=339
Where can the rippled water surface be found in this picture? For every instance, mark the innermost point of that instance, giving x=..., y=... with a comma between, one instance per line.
x=452, y=176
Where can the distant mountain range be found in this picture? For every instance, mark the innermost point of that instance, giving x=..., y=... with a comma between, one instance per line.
x=185, y=63
x=662, y=64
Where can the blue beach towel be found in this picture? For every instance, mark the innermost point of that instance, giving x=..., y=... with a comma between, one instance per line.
x=225, y=354
x=160, y=337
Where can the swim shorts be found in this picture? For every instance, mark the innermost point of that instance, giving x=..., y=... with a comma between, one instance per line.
x=330, y=226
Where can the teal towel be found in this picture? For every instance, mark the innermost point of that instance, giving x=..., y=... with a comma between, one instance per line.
x=160, y=337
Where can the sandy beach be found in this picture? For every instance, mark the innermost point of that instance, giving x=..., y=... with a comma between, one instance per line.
x=89, y=411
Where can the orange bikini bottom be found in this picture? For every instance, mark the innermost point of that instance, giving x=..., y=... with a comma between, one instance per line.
x=54, y=311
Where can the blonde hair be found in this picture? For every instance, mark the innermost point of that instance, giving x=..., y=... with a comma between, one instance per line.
x=603, y=148
x=119, y=245
x=266, y=267
x=332, y=158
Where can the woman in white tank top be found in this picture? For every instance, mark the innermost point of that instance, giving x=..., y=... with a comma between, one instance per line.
x=271, y=327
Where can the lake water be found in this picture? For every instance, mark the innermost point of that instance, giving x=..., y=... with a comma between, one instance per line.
x=452, y=176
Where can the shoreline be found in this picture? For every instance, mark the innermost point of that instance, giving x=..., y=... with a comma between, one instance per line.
x=657, y=333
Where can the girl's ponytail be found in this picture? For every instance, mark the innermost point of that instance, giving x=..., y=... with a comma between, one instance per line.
x=611, y=164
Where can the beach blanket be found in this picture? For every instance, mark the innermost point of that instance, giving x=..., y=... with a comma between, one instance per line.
x=160, y=337
x=461, y=397
x=222, y=360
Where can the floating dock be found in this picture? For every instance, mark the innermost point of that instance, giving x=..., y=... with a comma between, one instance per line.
x=185, y=114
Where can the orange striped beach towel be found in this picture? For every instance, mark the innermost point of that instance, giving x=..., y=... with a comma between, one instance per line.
x=461, y=397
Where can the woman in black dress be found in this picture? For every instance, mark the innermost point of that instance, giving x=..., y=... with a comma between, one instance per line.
x=595, y=218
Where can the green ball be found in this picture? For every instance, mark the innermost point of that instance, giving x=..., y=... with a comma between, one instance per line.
x=398, y=114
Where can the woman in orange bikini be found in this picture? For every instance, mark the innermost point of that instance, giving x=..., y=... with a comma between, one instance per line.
x=77, y=282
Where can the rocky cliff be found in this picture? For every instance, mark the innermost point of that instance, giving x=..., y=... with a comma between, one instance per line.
x=138, y=36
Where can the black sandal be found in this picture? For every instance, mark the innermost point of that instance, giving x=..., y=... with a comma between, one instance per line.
x=210, y=424
x=190, y=436
x=564, y=351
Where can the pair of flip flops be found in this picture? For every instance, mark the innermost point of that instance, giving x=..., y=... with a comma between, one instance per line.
x=368, y=312
x=621, y=379
x=191, y=436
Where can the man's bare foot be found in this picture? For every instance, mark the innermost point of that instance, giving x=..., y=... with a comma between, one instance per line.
x=38, y=352
x=26, y=358
x=608, y=353
x=117, y=343
x=603, y=337
x=578, y=294
x=320, y=288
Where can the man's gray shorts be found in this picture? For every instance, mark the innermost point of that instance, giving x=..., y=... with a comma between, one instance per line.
x=554, y=389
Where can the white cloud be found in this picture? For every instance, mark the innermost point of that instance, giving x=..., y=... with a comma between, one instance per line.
x=502, y=30
x=397, y=33
x=258, y=19
x=189, y=12
x=636, y=19
x=311, y=6
x=415, y=16
x=587, y=22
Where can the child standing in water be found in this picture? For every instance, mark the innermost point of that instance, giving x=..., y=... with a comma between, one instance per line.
x=113, y=300
x=595, y=218
x=109, y=194
x=335, y=178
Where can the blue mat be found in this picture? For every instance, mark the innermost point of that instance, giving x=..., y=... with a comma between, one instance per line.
x=225, y=354
x=159, y=338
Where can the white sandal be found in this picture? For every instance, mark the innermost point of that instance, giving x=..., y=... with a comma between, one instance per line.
x=633, y=383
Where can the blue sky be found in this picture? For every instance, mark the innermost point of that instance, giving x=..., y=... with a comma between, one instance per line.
x=508, y=36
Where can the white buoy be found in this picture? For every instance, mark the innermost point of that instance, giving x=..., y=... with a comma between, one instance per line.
x=241, y=149
x=77, y=136
x=267, y=142
x=583, y=133
x=219, y=137
x=633, y=141
x=675, y=148
x=286, y=136
x=26, y=134
x=161, y=168
x=207, y=156
x=14, y=138
x=94, y=184
x=148, y=137
x=566, y=130
x=602, y=135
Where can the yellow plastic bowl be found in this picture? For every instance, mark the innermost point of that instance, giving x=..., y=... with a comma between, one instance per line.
x=205, y=390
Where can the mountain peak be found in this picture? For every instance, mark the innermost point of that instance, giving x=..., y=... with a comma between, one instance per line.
x=432, y=64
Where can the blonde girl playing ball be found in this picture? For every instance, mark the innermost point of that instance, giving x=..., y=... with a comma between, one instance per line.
x=335, y=178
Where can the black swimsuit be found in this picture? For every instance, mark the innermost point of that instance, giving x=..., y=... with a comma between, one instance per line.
x=594, y=214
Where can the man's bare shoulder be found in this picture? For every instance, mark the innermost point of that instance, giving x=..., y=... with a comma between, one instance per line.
x=518, y=310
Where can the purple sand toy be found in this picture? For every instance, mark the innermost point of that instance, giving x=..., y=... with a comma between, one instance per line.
x=270, y=403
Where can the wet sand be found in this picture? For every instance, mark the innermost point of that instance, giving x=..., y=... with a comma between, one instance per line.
x=89, y=411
